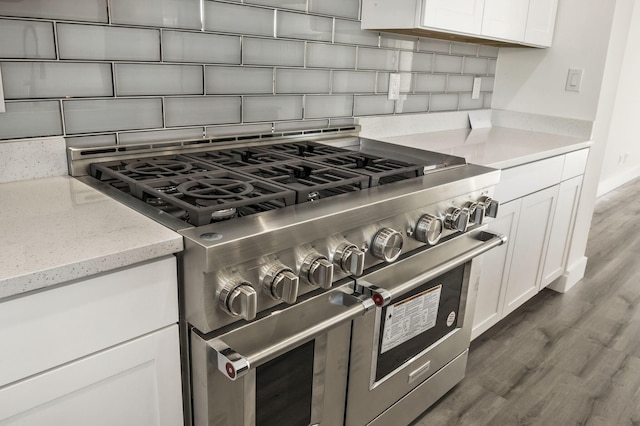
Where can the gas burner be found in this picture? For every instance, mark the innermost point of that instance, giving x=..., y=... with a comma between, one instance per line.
x=159, y=167
x=214, y=189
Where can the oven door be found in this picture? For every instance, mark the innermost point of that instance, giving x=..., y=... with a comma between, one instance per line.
x=289, y=368
x=411, y=351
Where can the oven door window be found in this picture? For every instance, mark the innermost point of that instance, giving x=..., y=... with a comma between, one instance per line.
x=284, y=388
x=416, y=320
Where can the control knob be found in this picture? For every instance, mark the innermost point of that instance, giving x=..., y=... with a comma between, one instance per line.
x=387, y=244
x=428, y=229
x=456, y=219
x=476, y=212
x=281, y=283
x=489, y=205
x=317, y=270
x=239, y=299
x=349, y=258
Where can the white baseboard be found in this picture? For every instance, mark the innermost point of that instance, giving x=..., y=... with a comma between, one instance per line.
x=571, y=277
x=615, y=181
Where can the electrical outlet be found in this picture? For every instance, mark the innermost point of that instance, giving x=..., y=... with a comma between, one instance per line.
x=475, y=92
x=2, y=107
x=394, y=86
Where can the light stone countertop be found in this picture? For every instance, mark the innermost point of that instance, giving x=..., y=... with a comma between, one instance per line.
x=496, y=147
x=58, y=229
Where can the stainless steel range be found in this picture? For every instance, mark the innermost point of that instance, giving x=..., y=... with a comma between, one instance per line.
x=326, y=278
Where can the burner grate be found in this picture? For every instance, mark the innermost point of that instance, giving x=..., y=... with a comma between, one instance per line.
x=310, y=180
x=235, y=158
x=304, y=149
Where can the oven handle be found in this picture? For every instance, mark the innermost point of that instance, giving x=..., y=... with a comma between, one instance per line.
x=382, y=296
x=234, y=365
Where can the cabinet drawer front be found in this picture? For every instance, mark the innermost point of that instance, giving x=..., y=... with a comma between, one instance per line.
x=519, y=181
x=52, y=327
x=575, y=163
x=136, y=383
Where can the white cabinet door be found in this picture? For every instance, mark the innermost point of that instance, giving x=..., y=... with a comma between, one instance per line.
x=541, y=21
x=505, y=19
x=495, y=270
x=135, y=383
x=530, y=246
x=561, y=230
x=455, y=15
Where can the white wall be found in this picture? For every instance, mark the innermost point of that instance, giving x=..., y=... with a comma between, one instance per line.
x=621, y=161
x=591, y=35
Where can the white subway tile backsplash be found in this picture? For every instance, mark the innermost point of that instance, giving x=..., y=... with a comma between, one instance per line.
x=449, y=64
x=378, y=59
x=320, y=55
x=26, y=39
x=241, y=129
x=153, y=79
x=193, y=111
x=345, y=8
x=319, y=106
x=181, y=46
x=432, y=45
x=103, y=115
x=460, y=83
x=467, y=103
x=156, y=13
x=430, y=83
x=349, y=32
x=258, y=51
x=303, y=26
x=238, y=18
x=444, y=102
x=372, y=105
x=412, y=103
x=302, y=81
x=158, y=70
x=271, y=108
x=70, y=10
x=414, y=61
x=464, y=49
x=488, y=51
x=486, y=85
x=288, y=126
x=91, y=141
x=281, y=4
x=238, y=80
x=96, y=42
x=28, y=80
x=161, y=135
x=475, y=66
x=30, y=119
x=353, y=82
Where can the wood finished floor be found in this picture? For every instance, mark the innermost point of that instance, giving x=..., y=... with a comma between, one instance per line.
x=564, y=359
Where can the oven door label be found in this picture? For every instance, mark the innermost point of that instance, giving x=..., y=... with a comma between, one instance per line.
x=410, y=317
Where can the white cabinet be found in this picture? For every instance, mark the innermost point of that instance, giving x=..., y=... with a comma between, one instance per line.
x=538, y=218
x=505, y=19
x=455, y=15
x=530, y=244
x=499, y=22
x=135, y=383
x=97, y=347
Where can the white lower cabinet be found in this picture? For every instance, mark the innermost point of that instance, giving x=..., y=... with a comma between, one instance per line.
x=135, y=383
x=100, y=351
x=538, y=219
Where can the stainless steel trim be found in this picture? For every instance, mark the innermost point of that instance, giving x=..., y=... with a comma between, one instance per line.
x=274, y=335
x=489, y=241
x=419, y=372
x=318, y=389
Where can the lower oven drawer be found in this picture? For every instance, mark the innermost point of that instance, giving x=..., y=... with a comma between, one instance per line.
x=289, y=368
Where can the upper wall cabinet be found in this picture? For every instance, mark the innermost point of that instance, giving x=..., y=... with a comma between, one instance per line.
x=494, y=22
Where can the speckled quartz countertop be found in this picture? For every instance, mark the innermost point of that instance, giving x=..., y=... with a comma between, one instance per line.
x=58, y=229
x=495, y=146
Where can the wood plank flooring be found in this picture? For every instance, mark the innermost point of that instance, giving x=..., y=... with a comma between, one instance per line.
x=564, y=359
